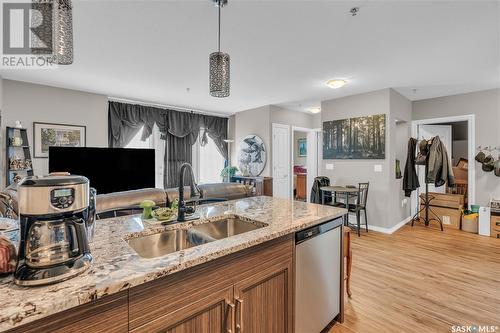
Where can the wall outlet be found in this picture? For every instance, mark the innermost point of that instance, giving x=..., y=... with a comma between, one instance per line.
x=377, y=168
x=404, y=202
x=329, y=166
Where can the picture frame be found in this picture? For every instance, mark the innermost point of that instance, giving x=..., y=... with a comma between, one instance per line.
x=60, y=135
x=302, y=147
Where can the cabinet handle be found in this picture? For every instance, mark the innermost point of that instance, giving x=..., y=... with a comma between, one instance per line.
x=230, y=318
x=239, y=309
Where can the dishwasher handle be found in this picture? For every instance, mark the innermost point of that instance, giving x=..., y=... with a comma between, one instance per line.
x=306, y=234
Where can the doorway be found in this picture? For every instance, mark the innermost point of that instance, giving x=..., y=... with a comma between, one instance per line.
x=458, y=136
x=304, y=157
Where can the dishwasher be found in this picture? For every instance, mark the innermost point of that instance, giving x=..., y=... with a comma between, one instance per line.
x=318, y=276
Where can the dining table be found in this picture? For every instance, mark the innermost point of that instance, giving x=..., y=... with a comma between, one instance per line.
x=346, y=190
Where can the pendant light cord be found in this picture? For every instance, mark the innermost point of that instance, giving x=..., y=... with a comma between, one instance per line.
x=219, y=27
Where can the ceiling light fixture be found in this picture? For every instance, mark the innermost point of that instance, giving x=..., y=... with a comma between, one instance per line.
x=315, y=109
x=63, y=32
x=220, y=78
x=336, y=83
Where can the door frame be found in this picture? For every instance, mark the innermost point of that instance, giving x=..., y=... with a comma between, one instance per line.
x=471, y=146
x=292, y=154
x=287, y=127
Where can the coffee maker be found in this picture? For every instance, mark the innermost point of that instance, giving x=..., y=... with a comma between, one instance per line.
x=55, y=212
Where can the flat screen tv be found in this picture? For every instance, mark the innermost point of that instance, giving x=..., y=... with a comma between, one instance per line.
x=108, y=169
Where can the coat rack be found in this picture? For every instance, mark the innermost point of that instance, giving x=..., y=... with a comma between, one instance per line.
x=426, y=201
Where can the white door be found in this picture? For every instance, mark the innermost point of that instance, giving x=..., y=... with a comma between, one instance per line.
x=312, y=160
x=281, y=161
x=445, y=135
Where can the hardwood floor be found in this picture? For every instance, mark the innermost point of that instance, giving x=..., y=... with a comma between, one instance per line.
x=422, y=280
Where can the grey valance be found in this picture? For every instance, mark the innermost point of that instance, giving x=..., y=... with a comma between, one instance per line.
x=125, y=120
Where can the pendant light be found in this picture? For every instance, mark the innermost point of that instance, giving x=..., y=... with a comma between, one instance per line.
x=63, y=32
x=219, y=65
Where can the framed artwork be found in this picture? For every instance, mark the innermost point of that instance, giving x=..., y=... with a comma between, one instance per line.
x=252, y=156
x=355, y=138
x=60, y=135
x=302, y=147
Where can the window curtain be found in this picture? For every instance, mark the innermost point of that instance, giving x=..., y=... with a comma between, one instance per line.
x=216, y=128
x=125, y=120
x=179, y=129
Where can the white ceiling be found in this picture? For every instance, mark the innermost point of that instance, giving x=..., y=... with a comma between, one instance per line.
x=282, y=52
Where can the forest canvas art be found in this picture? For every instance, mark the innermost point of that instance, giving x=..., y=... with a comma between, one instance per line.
x=355, y=138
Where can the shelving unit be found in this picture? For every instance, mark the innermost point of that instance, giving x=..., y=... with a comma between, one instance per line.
x=21, y=152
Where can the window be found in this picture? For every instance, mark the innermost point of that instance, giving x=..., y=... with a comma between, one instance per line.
x=207, y=161
x=155, y=143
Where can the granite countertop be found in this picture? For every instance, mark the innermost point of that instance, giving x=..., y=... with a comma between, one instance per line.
x=116, y=266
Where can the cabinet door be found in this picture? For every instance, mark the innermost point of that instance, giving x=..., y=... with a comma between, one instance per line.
x=263, y=302
x=212, y=314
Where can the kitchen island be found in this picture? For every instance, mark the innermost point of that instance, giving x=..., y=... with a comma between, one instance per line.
x=123, y=291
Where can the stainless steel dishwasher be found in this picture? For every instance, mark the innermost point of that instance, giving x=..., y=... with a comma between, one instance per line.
x=318, y=276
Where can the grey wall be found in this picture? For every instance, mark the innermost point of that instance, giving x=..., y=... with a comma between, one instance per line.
x=486, y=107
x=255, y=121
x=399, y=120
x=356, y=171
x=288, y=117
x=259, y=121
x=38, y=103
x=298, y=160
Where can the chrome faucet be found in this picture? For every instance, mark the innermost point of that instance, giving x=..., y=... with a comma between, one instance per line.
x=182, y=209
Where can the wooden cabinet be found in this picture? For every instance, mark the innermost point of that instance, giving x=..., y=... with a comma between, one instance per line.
x=249, y=291
x=495, y=226
x=108, y=314
x=301, y=186
x=263, y=301
x=211, y=314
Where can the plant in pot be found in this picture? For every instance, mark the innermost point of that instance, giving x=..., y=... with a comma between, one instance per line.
x=227, y=173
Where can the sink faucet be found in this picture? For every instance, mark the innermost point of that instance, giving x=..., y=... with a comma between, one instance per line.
x=195, y=192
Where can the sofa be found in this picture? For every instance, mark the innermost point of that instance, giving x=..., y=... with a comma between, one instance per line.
x=127, y=202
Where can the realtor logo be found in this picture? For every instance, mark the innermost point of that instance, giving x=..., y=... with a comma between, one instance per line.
x=27, y=38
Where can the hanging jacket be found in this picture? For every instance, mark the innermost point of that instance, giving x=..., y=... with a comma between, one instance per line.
x=410, y=178
x=316, y=193
x=439, y=170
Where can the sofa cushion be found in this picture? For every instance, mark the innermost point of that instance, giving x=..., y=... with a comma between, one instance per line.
x=229, y=191
x=129, y=199
x=173, y=193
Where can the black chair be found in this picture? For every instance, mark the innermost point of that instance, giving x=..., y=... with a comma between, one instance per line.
x=359, y=205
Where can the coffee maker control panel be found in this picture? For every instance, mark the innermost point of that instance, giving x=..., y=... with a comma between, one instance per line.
x=62, y=197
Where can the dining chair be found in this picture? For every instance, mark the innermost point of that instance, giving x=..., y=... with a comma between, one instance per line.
x=360, y=205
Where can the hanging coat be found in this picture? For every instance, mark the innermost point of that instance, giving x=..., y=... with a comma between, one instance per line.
x=316, y=193
x=410, y=178
x=439, y=170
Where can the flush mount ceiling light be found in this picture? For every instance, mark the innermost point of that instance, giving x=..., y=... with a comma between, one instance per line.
x=63, y=32
x=336, y=83
x=315, y=109
x=220, y=78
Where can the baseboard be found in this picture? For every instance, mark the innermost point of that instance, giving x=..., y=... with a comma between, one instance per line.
x=386, y=230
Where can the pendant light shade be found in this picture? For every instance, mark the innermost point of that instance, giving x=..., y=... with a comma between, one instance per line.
x=63, y=32
x=219, y=65
x=220, y=78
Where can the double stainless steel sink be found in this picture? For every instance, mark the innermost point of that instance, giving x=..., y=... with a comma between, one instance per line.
x=165, y=242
